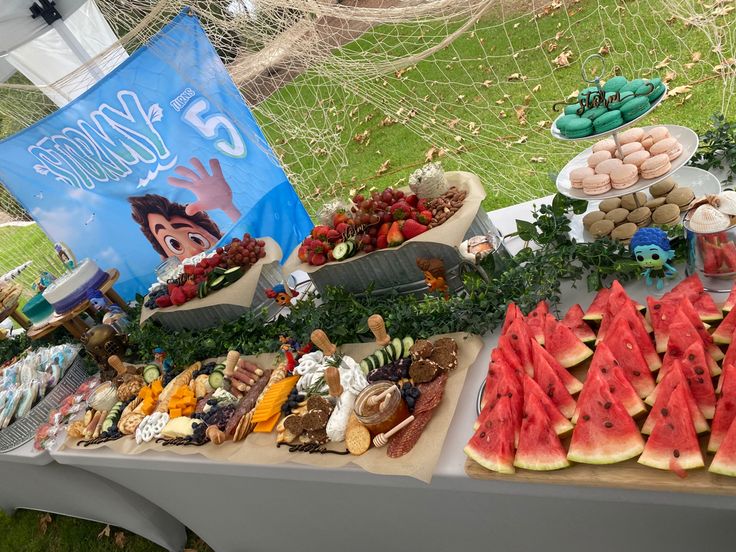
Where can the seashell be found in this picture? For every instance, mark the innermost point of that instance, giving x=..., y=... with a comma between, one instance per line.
x=706, y=219
x=725, y=202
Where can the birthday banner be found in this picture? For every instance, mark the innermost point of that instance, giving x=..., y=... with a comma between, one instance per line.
x=161, y=158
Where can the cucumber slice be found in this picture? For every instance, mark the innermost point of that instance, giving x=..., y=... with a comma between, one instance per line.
x=202, y=290
x=388, y=351
x=398, y=348
x=219, y=271
x=364, y=367
x=351, y=247
x=217, y=379
x=219, y=368
x=233, y=274
x=217, y=282
x=341, y=251
x=381, y=358
x=408, y=343
x=151, y=373
x=112, y=416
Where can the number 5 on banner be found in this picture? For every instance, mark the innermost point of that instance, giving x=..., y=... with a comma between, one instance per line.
x=208, y=126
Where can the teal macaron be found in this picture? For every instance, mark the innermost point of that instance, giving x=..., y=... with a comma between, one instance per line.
x=632, y=85
x=608, y=121
x=634, y=108
x=579, y=128
x=623, y=98
x=572, y=109
x=658, y=90
x=587, y=95
x=615, y=84
x=594, y=113
x=564, y=121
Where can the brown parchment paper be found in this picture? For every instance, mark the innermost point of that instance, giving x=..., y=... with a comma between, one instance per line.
x=260, y=448
x=239, y=293
x=451, y=233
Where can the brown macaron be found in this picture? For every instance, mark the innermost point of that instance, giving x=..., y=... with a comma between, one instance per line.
x=601, y=228
x=640, y=216
x=666, y=215
x=624, y=232
x=682, y=197
x=633, y=201
x=594, y=216
x=617, y=216
x=663, y=187
x=609, y=204
x=655, y=202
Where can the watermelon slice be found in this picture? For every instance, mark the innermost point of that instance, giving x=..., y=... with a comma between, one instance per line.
x=695, y=370
x=506, y=351
x=539, y=446
x=518, y=334
x=512, y=313
x=725, y=408
x=662, y=314
x=730, y=300
x=605, y=364
x=692, y=288
x=559, y=423
x=634, y=320
x=724, y=461
x=682, y=336
x=503, y=381
x=724, y=331
x=574, y=320
x=661, y=396
x=535, y=321
x=571, y=383
x=597, y=308
x=605, y=433
x=552, y=385
x=625, y=350
x=562, y=344
x=673, y=444
x=492, y=445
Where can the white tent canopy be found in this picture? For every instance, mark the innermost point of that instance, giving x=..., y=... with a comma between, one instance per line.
x=46, y=54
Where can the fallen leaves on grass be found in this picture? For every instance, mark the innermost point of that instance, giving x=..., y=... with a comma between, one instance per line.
x=563, y=60
x=383, y=169
x=487, y=83
x=430, y=154
x=520, y=114
x=669, y=77
x=696, y=57
x=538, y=160
x=604, y=50
x=452, y=123
x=516, y=77
x=104, y=533
x=120, y=540
x=552, y=46
x=44, y=522
x=387, y=121
x=537, y=88
x=727, y=66
x=362, y=137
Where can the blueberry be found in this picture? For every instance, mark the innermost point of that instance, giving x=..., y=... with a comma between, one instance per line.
x=300, y=398
x=406, y=386
x=410, y=402
x=414, y=392
x=212, y=402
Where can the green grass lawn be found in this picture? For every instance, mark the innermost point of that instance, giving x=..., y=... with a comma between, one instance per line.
x=466, y=96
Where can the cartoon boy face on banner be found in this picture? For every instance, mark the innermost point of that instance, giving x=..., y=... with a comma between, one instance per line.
x=162, y=158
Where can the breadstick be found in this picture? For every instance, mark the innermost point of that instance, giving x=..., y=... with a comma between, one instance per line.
x=90, y=429
x=98, y=427
x=244, y=377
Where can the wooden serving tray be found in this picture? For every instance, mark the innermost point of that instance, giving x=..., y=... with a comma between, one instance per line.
x=624, y=475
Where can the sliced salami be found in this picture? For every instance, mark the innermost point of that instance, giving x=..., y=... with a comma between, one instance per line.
x=430, y=394
x=402, y=443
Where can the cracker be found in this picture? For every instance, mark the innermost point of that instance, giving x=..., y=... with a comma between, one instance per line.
x=357, y=437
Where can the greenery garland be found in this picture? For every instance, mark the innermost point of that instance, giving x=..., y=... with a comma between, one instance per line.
x=534, y=274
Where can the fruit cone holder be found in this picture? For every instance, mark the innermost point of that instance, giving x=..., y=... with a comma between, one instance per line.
x=229, y=303
x=712, y=256
x=394, y=268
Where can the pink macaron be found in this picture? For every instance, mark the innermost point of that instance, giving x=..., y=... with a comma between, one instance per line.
x=577, y=176
x=624, y=176
x=605, y=145
x=628, y=149
x=654, y=135
x=655, y=166
x=605, y=167
x=597, y=157
x=637, y=158
x=631, y=135
x=597, y=184
x=669, y=146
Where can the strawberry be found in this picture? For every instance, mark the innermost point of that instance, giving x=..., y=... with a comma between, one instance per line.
x=303, y=254
x=333, y=235
x=383, y=230
x=412, y=200
x=163, y=301
x=339, y=218
x=190, y=290
x=178, y=297
x=188, y=269
x=400, y=210
x=382, y=242
x=422, y=205
x=342, y=227
x=412, y=229
x=395, y=237
x=423, y=217
x=320, y=232
x=317, y=259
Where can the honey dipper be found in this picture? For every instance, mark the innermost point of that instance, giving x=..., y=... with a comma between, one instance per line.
x=381, y=439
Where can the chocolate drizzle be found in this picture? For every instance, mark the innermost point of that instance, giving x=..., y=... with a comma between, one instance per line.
x=180, y=441
x=312, y=448
x=99, y=440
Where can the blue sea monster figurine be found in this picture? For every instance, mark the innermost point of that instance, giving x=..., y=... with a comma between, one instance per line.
x=651, y=249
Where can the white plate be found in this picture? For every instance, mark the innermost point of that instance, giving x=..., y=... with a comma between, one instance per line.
x=702, y=183
x=557, y=134
x=684, y=135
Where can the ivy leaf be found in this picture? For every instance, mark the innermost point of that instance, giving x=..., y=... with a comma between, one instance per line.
x=579, y=206
x=526, y=230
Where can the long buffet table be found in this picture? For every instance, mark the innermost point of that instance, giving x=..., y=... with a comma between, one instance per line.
x=261, y=507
